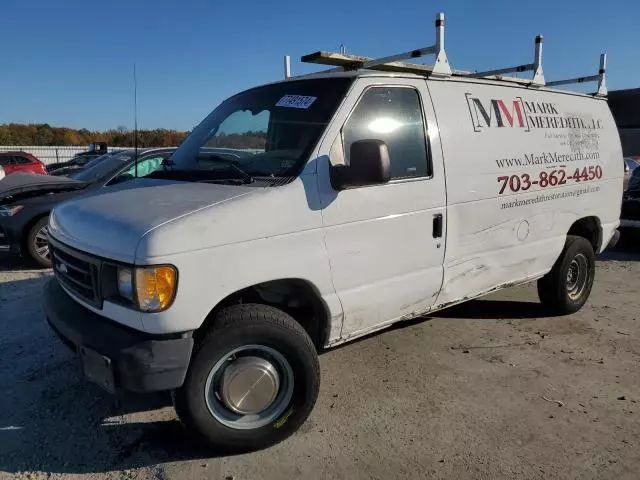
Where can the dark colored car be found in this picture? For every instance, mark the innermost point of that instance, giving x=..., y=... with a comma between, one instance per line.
x=79, y=160
x=12, y=162
x=26, y=199
x=630, y=214
x=630, y=164
x=77, y=164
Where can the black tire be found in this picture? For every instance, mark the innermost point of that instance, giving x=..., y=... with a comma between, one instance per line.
x=34, y=243
x=235, y=327
x=555, y=288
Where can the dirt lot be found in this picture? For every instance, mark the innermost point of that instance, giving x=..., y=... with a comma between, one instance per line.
x=490, y=389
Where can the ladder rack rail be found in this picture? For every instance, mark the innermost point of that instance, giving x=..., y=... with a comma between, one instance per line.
x=441, y=68
x=536, y=67
x=599, y=77
x=347, y=62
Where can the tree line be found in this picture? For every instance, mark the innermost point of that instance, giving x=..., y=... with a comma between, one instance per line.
x=45, y=135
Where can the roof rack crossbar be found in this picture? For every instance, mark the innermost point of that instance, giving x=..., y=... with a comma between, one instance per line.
x=536, y=67
x=420, y=52
x=348, y=62
x=600, y=77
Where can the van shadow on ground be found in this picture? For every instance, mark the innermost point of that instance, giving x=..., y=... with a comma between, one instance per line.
x=53, y=420
x=69, y=426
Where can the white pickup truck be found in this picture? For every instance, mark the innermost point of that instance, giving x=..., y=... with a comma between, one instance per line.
x=305, y=213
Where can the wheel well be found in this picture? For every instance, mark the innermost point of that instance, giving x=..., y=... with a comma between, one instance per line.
x=589, y=228
x=29, y=226
x=296, y=297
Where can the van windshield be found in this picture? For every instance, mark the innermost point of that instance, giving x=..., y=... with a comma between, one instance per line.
x=267, y=131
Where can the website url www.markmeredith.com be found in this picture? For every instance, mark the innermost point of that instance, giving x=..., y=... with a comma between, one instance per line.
x=546, y=158
x=546, y=197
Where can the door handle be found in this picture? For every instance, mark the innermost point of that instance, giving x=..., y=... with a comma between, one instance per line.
x=437, y=225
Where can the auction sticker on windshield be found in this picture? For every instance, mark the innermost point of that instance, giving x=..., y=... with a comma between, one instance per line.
x=296, y=101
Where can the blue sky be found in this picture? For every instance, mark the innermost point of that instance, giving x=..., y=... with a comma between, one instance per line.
x=69, y=63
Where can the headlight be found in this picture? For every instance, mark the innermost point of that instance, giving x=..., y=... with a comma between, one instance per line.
x=9, y=210
x=155, y=287
x=151, y=289
x=125, y=283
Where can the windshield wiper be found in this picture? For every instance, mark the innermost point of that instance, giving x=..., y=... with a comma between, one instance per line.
x=230, y=163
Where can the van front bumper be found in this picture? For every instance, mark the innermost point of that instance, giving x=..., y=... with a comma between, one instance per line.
x=114, y=356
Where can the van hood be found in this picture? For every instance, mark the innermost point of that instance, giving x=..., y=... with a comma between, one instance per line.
x=111, y=222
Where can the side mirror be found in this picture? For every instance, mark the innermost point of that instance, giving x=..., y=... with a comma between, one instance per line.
x=368, y=165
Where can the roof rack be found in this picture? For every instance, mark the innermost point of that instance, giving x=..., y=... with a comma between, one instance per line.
x=441, y=68
x=391, y=63
x=536, y=67
x=600, y=78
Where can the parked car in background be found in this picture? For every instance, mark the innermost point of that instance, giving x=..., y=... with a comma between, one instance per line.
x=630, y=164
x=13, y=162
x=79, y=160
x=77, y=165
x=630, y=214
x=27, y=199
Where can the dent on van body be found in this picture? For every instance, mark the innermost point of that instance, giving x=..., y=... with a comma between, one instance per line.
x=506, y=222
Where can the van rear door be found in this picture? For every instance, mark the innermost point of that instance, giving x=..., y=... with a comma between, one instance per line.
x=386, y=242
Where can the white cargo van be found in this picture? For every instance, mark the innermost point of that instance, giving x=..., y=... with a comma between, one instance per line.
x=305, y=213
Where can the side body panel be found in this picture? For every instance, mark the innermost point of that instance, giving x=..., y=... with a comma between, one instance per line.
x=385, y=262
x=522, y=165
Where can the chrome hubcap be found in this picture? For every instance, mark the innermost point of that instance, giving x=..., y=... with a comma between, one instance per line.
x=41, y=243
x=577, y=276
x=250, y=387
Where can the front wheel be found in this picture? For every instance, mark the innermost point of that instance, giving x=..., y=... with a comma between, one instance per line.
x=566, y=288
x=38, y=243
x=252, y=382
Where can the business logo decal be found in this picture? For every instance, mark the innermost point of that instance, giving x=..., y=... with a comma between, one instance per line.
x=520, y=114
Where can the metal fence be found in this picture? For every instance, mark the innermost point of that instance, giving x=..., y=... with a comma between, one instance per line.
x=48, y=155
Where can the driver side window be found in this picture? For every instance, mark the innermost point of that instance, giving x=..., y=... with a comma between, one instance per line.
x=393, y=115
x=145, y=167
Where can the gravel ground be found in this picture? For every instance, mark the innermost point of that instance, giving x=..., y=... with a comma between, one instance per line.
x=489, y=389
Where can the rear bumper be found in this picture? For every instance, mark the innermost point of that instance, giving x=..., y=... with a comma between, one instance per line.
x=138, y=361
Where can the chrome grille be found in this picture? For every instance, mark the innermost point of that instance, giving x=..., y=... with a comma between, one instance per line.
x=77, y=274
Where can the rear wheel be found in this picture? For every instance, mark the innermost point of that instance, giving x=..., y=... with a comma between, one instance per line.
x=252, y=382
x=38, y=243
x=566, y=288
